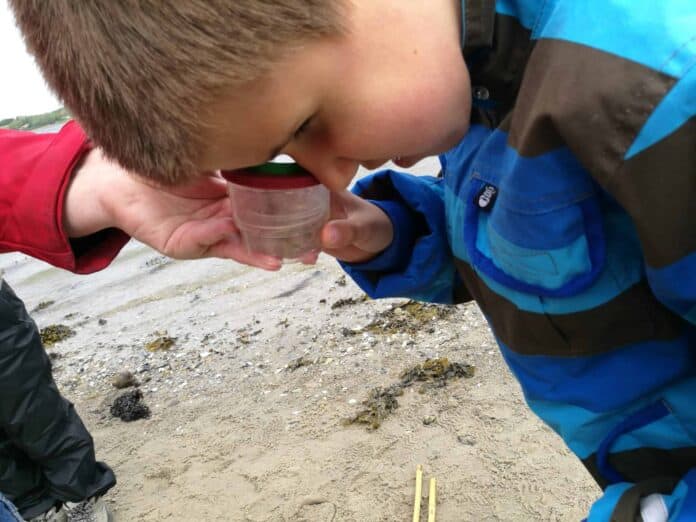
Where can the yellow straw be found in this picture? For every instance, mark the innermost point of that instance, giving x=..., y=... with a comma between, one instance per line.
x=419, y=489
x=431, y=501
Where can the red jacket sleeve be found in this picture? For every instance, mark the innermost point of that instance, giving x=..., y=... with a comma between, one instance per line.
x=35, y=170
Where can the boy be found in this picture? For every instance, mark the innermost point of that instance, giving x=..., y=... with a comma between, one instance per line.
x=563, y=207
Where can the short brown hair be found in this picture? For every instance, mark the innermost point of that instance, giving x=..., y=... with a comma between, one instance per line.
x=138, y=74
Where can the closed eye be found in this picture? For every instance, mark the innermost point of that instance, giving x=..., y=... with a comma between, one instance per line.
x=295, y=135
x=302, y=128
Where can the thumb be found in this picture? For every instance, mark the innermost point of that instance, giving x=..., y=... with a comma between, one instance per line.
x=337, y=234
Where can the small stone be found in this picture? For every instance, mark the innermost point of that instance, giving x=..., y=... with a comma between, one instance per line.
x=430, y=419
x=123, y=379
x=466, y=440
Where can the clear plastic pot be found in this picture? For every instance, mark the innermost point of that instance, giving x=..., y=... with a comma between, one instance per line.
x=283, y=222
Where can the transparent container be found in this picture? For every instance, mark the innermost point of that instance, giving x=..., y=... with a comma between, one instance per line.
x=279, y=210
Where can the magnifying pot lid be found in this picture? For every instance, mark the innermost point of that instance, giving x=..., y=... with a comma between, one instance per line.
x=272, y=175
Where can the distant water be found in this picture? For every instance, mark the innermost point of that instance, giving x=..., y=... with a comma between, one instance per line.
x=53, y=127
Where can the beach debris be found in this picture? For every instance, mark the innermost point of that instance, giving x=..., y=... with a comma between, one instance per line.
x=429, y=419
x=55, y=333
x=285, y=322
x=410, y=317
x=435, y=373
x=341, y=281
x=161, y=343
x=299, y=363
x=381, y=402
x=467, y=440
x=419, y=493
x=350, y=301
x=315, y=501
x=42, y=306
x=432, y=500
x=124, y=379
x=307, y=361
x=129, y=406
x=349, y=332
x=101, y=321
x=245, y=335
x=157, y=263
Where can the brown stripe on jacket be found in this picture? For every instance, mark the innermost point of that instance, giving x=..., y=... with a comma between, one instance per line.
x=631, y=317
x=591, y=101
x=657, y=187
x=596, y=104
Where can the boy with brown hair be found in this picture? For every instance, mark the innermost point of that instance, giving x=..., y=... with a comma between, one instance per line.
x=563, y=207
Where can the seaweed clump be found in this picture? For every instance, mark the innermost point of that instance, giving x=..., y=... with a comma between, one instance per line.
x=55, y=333
x=435, y=373
x=129, y=406
x=349, y=301
x=161, y=343
x=410, y=317
x=381, y=402
x=43, y=305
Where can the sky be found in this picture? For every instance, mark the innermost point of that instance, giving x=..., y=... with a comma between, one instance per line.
x=22, y=92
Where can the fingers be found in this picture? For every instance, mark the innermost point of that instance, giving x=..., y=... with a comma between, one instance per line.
x=216, y=237
x=339, y=234
x=370, y=232
x=338, y=241
x=309, y=258
x=231, y=248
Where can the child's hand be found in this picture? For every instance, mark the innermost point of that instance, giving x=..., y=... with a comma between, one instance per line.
x=186, y=222
x=357, y=231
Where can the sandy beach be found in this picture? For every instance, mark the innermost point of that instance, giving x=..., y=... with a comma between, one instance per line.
x=249, y=375
x=236, y=434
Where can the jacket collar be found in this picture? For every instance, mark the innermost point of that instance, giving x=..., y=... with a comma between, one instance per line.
x=478, y=21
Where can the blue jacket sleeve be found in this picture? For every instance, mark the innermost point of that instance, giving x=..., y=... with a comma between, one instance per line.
x=418, y=264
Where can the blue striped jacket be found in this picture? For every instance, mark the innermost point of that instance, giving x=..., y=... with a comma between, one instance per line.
x=565, y=213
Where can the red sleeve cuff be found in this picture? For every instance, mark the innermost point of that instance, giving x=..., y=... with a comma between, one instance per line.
x=36, y=171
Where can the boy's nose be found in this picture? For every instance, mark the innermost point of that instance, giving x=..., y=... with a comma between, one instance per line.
x=333, y=172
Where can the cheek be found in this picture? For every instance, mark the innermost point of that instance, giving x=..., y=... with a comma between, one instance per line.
x=429, y=121
x=415, y=118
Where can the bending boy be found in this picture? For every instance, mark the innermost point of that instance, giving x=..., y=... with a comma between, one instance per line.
x=568, y=152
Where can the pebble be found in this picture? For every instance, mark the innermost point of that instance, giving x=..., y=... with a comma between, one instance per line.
x=123, y=379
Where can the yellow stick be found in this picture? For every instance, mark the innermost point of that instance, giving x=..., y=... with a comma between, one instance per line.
x=432, y=501
x=419, y=492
